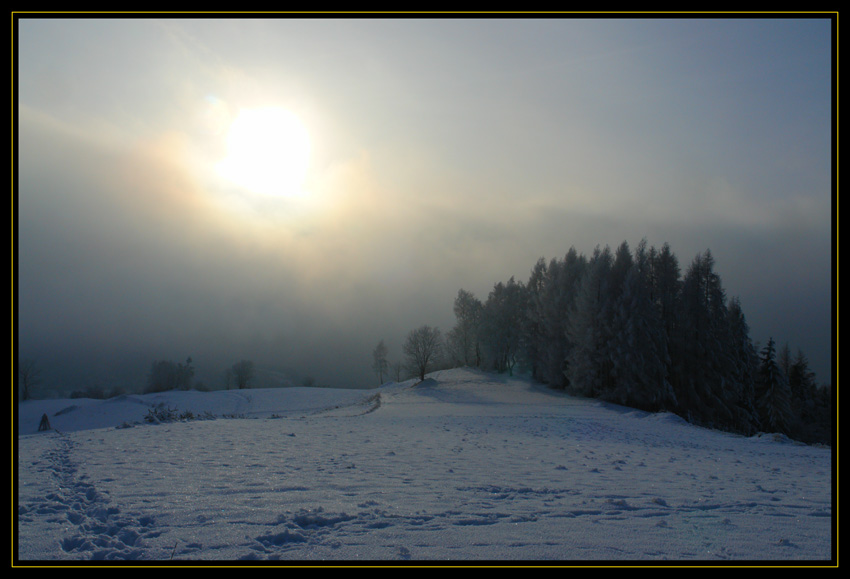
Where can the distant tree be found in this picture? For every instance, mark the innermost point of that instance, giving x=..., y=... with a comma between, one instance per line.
x=639, y=347
x=706, y=362
x=745, y=365
x=162, y=376
x=115, y=391
x=628, y=327
x=783, y=359
x=454, y=349
x=665, y=276
x=774, y=394
x=379, y=361
x=93, y=392
x=561, y=287
x=185, y=374
x=589, y=367
x=30, y=377
x=422, y=349
x=502, y=325
x=620, y=267
x=533, y=337
x=802, y=381
x=242, y=373
x=464, y=336
x=810, y=412
x=166, y=375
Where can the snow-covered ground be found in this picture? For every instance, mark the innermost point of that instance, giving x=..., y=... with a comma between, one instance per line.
x=464, y=467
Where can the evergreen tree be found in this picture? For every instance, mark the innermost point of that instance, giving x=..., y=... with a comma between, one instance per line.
x=783, y=359
x=805, y=400
x=533, y=337
x=620, y=269
x=665, y=277
x=501, y=324
x=802, y=381
x=639, y=351
x=627, y=328
x=705, y=369
x=455, y=350
x=185, y=374
x=561, y=287
x=465, y=335
x=665, y=293
x=745, y=363
x=774, y=394
x=588, y=362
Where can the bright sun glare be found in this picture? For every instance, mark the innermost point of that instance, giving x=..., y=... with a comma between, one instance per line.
x=268, y=151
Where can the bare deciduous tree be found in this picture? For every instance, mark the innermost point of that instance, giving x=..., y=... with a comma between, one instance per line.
x=243, y=373
x=30, y=375
x=422, y=349
x=379, y=360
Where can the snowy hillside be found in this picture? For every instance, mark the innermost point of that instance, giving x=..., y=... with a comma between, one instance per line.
x=463, y=467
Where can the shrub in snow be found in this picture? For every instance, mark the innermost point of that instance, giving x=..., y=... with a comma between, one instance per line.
x=161, y=414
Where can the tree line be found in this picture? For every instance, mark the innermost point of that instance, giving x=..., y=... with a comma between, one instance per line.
x=167, y=375
x=629, y=327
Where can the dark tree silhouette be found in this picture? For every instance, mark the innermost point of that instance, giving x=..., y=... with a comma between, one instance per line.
x=422, y=349
x=243, y=373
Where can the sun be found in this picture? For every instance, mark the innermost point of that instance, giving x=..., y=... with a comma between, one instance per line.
x=268, y=152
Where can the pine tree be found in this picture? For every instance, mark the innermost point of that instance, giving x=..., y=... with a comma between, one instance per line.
x=783, y=359
x=705, y=370
x=588, y=362
x=465, y=334
x=561, y=287
x=774, y=394
x=801, y=380
x=620, y=269
x=533, y=339
x=745, y=362
x=804, y=398
x=665, y=293
x=639, y=351
x=185, y=374
x=501, y=324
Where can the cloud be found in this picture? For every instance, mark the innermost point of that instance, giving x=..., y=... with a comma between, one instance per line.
x=436, y=167
x=126, y=247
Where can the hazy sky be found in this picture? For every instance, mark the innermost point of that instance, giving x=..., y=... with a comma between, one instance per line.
x=441, y=154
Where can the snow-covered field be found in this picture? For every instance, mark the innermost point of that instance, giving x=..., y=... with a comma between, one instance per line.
x=466, y=467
